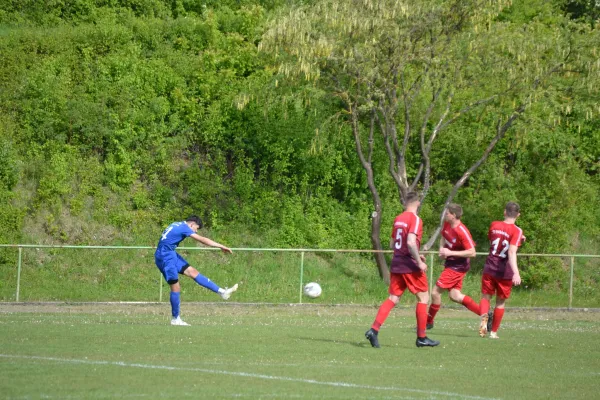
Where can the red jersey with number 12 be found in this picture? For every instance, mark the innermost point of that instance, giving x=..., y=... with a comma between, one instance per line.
x=457, y=239
x=405, y=223
x=501, y=235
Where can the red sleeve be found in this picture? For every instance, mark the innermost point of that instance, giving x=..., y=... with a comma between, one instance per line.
x=465, y=237
x=415, y=225
x=412, y=221
x=516, y=236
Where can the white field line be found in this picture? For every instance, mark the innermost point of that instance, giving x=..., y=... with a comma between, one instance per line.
x=194, y=395
x=246, y=375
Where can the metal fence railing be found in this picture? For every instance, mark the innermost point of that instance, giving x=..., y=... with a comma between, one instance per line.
x=301, y=252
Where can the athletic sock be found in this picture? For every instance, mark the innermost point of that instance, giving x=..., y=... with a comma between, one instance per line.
x=175, y=301
x=207, y=283
x=421, y=312
x=382, y=314
x=471, y=305
x=484, y=306
x=433, y=309
x=498, y=314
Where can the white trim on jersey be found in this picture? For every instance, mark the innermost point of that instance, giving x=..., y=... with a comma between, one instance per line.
x=417, y=224
x=520, y=235
x=466, y=232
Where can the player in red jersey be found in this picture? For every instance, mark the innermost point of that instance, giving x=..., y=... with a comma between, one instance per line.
x=407, y=271
x=501, y=271
x=456, y=247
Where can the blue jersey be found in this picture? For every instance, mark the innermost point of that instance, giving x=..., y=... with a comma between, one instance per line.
x=172, y=236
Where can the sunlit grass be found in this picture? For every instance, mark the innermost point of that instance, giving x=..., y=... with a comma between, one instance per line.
x=299, y=352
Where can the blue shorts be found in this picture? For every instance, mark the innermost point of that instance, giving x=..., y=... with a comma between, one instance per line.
x=170, y=265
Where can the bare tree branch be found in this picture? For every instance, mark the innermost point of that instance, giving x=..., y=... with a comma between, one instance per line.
x=501, y=130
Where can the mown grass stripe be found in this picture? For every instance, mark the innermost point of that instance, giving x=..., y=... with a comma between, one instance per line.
x=246, y=375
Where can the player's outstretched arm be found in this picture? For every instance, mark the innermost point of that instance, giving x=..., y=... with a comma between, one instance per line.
x=208, y=242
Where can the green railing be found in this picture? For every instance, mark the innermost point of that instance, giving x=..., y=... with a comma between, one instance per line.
x=302, y=252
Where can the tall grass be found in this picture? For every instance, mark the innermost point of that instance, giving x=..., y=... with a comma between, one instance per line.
x=59, y=274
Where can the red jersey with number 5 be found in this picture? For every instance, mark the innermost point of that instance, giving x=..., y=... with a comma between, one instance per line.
x=405, y=223
x=501, y=235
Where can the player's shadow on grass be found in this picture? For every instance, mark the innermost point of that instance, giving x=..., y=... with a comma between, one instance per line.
x=461, y=335
x=355, y=344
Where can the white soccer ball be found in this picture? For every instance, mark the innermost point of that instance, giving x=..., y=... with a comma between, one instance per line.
x=312, y=290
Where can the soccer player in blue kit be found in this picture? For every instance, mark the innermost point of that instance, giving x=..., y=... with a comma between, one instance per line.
x=172, y=264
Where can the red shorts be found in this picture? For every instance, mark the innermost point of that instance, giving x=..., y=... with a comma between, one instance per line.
x=495, y=286
x=451, y=279
x=415, y=282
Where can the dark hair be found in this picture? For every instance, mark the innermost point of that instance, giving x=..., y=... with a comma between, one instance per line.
x=196, y=219
x=411, y=197
x=512, y=209
x=455, y=210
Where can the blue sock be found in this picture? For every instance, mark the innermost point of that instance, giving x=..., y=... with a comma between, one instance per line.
x=207, y=283
x=175, y=304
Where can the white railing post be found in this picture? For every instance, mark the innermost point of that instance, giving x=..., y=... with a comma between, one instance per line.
x=571, y=284
x=301, y=276
x=19, y=274
x=160, y=285
x=430, y=274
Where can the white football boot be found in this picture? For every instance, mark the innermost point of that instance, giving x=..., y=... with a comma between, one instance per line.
x=226, y=294
x=494, y=335
x=179, y=322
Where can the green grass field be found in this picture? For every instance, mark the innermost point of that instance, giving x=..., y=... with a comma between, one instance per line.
x=100, y=351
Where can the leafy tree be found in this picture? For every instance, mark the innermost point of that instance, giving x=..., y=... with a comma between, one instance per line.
x=585, y=10
x=408, y=73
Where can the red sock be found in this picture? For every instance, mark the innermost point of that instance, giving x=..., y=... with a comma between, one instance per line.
x=421, y=319
x=471, y=305
x=484, y=306
x=498, y=314
x=433, y=309
x=382, y=314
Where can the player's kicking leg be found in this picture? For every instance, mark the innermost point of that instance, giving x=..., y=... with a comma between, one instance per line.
x=205, y=282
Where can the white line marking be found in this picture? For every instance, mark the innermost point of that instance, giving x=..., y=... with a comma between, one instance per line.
x=245, y=374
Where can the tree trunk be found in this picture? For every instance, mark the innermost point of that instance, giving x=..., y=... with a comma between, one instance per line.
x=366, y=163
x=382, y=266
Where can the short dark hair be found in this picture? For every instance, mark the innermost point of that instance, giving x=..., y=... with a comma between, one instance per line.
x=411, y=197
x=196, y=219
x=455, y=210
x=512, y=209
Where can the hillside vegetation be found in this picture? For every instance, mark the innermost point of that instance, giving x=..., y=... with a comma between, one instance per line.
x=118, y=117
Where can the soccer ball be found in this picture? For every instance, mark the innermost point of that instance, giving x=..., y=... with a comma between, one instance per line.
x=312, y=290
